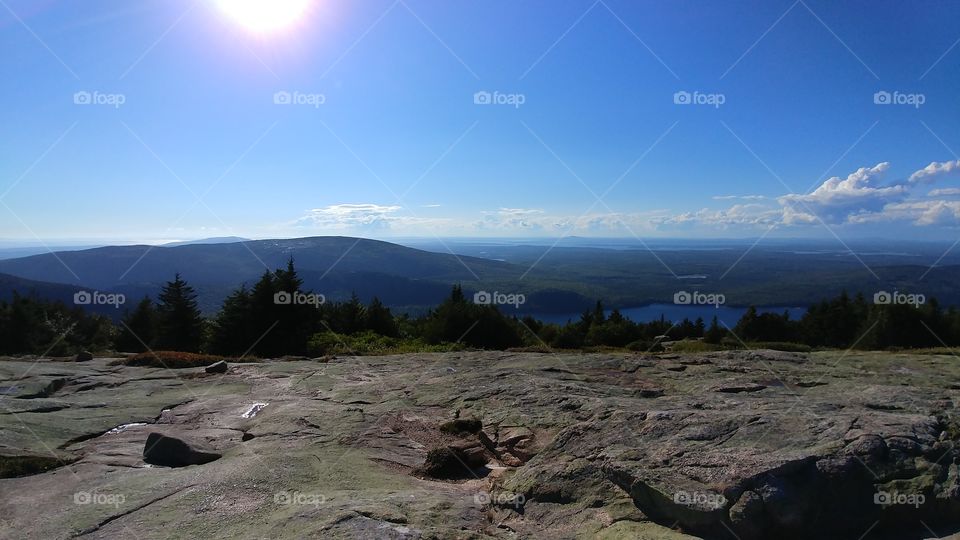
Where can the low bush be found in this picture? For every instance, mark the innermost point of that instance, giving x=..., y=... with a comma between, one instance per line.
x=645, y=346
x=369, y=343
x=461, y=425
x=781, y=346
x=175, y=360
x=16, y=466
x=693, y=346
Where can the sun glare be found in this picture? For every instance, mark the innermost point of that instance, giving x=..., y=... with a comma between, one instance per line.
x=265, y=15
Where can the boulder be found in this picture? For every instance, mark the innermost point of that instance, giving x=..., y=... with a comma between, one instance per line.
x=746, y=515
x=218, y=367
x=462, y=426
x=172, y=452
x=84, y=356
x=454, y=461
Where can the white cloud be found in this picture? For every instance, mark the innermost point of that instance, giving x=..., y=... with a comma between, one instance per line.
x=740, y=197
x=836, y=200
x=359, y=217
x=921, y=213
x=529, y=220
x=857, y=199
x=739, y=215
x=934, y=170
x=513, y=218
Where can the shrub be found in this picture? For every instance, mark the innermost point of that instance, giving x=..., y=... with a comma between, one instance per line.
x=15, y=466
x=370, y=343
x=781, y=346
x=645, y=346
x=691, y=346
x=461, y=425
x=174, y=360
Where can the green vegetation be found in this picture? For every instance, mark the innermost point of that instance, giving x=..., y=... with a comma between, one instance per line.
x=174, y=360
x=31, y=325
x=15, y=466
x=276, y=318
x=461, y=425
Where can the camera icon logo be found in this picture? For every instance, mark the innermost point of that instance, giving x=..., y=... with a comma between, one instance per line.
x=482, y=98
x=482, y=298
x=82, y=98
x=882, y=298
x=82, y=298
x=282, y=98
x=882, y=98
x=682, y=98
x=683, y=298
x=882, y=497
x=283, y=298
x=82, y=497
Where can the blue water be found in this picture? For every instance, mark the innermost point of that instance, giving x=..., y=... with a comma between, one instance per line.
x=725, y=314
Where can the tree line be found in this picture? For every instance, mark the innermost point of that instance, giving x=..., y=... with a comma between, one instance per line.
x=272, y=318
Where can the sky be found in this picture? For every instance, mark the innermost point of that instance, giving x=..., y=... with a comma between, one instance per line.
x=163, y=120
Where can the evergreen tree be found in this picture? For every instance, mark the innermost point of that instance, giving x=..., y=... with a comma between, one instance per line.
x=456, y=320
x=380, y=320
x=263, y=315
x=179, y=324
x=351, y=316
x=715, y=333
x=231, y=332
x=294, y=321
x=139, y=328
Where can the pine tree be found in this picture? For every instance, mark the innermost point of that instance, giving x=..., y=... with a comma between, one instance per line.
x=139, y=328
x=288, y=280
x=294, y=321
x=263, y=316
x=232, y=327
x=714, y=333
x=180, y=326
x=380, y=320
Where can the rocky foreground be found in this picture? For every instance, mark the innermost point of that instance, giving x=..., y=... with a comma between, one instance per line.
x=741, y=445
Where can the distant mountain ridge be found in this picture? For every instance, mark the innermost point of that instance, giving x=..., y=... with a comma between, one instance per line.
x=334, y=266
x=564, y=280
x=213, y=240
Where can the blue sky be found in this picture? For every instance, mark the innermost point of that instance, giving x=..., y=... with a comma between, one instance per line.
x=189, y=133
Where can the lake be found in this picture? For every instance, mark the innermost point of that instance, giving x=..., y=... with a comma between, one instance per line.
x=728, y=315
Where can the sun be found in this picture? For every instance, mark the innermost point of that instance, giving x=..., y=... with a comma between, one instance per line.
x=265, y=15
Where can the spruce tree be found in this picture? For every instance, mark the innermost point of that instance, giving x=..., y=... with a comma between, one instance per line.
x=232, y=327
x=139, y=328
x=380, y=320
x=714, y=333
x=180, y=326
